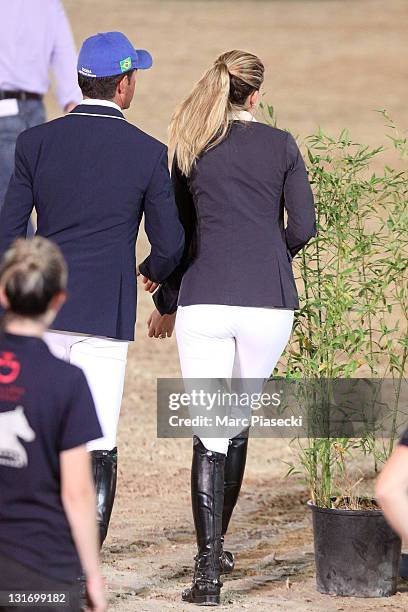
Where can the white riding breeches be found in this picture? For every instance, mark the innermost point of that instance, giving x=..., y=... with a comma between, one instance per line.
x=218, y=341
x=103, y=361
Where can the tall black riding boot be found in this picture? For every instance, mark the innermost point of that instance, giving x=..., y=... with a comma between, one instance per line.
x=207, y=495
x=104, y=467
x=233, y=475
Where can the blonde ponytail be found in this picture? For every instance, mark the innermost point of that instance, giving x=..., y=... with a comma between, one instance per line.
x=202, y=120
x=32, y=272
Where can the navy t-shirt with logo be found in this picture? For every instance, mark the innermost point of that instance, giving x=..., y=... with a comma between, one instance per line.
x=45, y=407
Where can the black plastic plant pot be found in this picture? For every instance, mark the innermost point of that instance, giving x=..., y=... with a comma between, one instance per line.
x=356, y=552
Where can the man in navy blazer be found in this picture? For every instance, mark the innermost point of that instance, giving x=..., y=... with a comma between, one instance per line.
x=91, y=176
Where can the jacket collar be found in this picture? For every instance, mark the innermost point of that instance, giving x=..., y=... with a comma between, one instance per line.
x=95, y=109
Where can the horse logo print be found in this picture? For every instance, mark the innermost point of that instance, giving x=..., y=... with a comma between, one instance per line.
x=14, y=425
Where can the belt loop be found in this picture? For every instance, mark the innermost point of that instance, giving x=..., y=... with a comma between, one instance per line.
x=23, y=96
x=1, y=95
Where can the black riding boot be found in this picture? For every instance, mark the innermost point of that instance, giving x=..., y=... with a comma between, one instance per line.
x=207, y=494
x=233, y=475
x=104, y=467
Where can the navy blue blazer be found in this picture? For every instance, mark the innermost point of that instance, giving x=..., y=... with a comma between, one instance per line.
x=91, y=176
x=238, y=250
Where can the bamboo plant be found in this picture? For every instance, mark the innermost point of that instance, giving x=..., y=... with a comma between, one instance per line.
x=352, y=280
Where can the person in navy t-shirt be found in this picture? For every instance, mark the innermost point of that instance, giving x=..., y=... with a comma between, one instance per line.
x=48, y=532
x=392, y=495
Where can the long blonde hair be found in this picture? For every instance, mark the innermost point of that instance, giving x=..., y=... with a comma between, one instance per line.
x=201, y=120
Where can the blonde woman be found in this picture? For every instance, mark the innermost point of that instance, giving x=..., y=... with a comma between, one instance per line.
x=234, y=293
x=48, y=531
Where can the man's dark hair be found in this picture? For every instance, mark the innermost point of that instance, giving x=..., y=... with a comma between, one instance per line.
x=103, y=88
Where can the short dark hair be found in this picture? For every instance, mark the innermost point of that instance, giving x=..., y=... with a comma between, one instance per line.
x=103, y=88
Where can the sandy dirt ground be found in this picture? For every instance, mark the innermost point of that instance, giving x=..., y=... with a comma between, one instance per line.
x=329, y=63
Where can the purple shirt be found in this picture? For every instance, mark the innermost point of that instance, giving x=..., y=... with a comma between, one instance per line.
x=35, y=36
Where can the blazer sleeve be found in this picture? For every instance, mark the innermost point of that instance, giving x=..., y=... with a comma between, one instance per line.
x=166, y=296
x=19, y=200
x=298, y=200
x=162, y=225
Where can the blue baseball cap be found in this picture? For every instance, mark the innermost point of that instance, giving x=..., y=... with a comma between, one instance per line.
x=111, y=54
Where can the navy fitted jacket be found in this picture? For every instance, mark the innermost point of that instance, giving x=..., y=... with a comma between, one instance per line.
x=91, y=176
x=238, y=250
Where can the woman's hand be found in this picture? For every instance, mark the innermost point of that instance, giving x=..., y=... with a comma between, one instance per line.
x=95, y=591
x=79, y=501
x=160, y=326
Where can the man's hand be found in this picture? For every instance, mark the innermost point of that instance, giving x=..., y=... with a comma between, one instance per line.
x=160, y=326
x=149, y=285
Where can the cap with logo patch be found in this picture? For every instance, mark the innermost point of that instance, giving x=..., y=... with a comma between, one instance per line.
x=111, y=54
